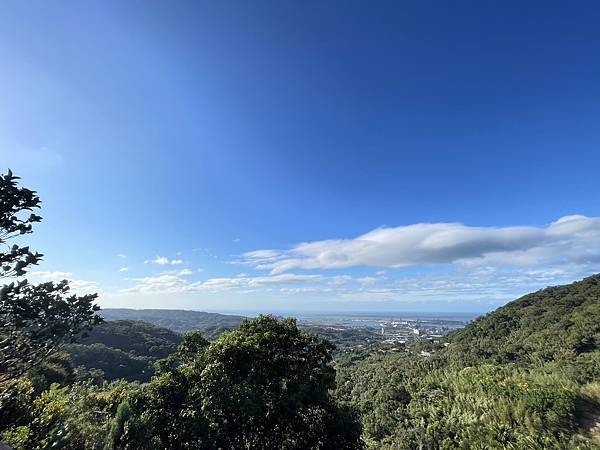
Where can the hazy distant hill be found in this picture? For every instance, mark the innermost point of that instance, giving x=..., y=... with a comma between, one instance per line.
x=210, y=324
x=213, y=324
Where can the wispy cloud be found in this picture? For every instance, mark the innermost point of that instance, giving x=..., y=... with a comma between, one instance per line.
x=570, y=239
x=465, y=284
x=448, y=261
x=51, y=275
x=85, y=287
x=484, y=284
x=159, y=284
x=80, y=287
x=163, y=261
x=124, y=269
x=177, y=283
x=122, y=255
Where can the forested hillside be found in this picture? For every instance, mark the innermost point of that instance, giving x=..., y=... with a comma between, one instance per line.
x=558, y=327
x=523, y=377
x=123, y=349
x=140, y=338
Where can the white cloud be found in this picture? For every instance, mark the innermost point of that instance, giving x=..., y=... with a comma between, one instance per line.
x=161, y=284
x=122, y=255
x=451, y=262
x=305, y=290
x=160, y=260
x=262, y=255
x=245, y=282
x=52, y=275
x=80, y=287
x=367, y=281
x=573, y=239
x=83, y=287
x=340, y=280
x=466, y=284
x=163, y=261
x=176, y=283
x=482, y=284
x=124, y=269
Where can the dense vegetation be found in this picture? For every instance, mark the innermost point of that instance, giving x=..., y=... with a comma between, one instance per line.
x=35, y=320
x=123, y=349
x=523, y=377
x=558, y=328
x=136, y=337
x=266, y=385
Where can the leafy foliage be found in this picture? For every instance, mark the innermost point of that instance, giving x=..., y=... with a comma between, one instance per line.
x=522, y=377
x=38, y=320
x=558, y=327
x=35, y=321
x=107, y=363
x=74, y=417
x=136, y=337
x=14, y=201
x=123, y=349
x=264, y=386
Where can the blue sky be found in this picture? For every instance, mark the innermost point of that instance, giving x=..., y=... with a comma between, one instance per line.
x=285, y=156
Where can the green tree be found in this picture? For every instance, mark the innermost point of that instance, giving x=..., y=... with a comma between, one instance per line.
x=73, y=417
x=16, y=219
x=264, y=386
x=35, y=320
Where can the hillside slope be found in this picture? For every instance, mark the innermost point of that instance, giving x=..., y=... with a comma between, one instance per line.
x=524, y=376
x=558, y=325
x=124, y=349
x=134, y=336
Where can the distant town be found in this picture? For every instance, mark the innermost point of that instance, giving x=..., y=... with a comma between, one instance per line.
x=356, y=331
